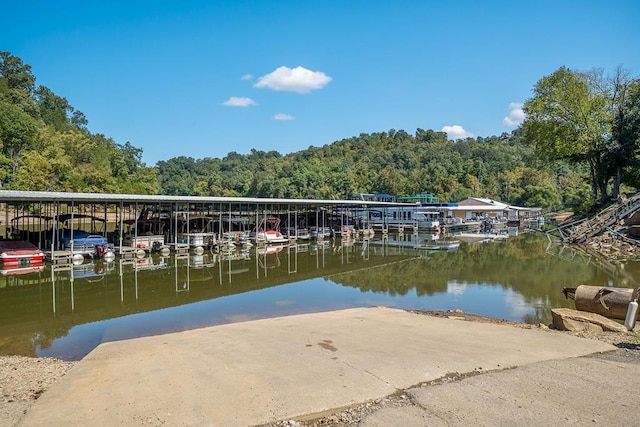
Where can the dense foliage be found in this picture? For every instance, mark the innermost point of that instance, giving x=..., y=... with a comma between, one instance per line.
x=587, y=118
x=393, y=162
x=45, y=145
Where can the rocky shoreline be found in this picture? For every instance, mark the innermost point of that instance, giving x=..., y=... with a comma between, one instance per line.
x=613, y=247
x=619, y=242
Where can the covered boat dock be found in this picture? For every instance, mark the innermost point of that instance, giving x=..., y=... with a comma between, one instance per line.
x=43, y=218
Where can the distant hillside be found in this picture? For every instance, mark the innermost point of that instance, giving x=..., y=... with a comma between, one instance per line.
x=393, y=162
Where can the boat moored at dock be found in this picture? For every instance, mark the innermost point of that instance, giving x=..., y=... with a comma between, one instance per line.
x=319, y=233
x=197, y=232
x=83, y=242
x=145, y=234
x=20, y=253
x=268, y=232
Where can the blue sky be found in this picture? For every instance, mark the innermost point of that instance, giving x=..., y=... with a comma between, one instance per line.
x=204, y=78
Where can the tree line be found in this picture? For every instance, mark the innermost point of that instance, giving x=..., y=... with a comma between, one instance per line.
x=395, y=162
x=45, y=144
x=578, y=145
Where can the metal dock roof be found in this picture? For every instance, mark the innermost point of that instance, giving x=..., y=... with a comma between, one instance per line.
x=9, y=196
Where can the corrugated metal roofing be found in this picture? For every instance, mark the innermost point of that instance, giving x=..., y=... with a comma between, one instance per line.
x=68, y=197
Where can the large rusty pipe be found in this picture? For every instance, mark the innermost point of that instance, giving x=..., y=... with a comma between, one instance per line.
x=608, y=302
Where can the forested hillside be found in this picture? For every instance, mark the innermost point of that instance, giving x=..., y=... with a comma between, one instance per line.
x=391, y=162
x=46, y=145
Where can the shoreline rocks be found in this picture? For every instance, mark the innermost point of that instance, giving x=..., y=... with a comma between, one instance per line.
x=566, y=319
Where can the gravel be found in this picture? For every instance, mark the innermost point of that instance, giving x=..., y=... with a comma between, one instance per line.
x=23, y=380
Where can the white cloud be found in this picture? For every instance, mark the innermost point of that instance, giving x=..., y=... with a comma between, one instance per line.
x=282, y=116
x=456, y=132
x=456, y=288
x=247, y=77
x=297, y=79
x=235, y=101
x=516, y=115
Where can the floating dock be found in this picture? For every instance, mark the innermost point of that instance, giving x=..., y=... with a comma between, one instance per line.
x=35, y=216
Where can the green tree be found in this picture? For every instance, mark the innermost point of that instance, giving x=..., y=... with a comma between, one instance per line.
x=540, y=196
x=17, y=82
x=17, y=134
x=624, y=149
x=175, y=176
x=56, y=110
x=571, y=117
x=45, y=145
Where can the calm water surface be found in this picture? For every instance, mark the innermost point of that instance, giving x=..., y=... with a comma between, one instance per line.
x=66, y=312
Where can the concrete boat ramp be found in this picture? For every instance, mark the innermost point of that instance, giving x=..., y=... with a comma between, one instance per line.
x=261, y=371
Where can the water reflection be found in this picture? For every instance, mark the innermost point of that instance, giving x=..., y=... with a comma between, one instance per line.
x=65, y=311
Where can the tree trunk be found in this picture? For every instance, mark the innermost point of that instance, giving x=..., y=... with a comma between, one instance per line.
x=603, y=190
x=593, y=172
x=616, y=182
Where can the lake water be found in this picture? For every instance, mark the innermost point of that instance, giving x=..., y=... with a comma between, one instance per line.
x=66, y=312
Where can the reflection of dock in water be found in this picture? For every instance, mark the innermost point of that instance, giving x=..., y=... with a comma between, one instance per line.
x=480, y=237
x=569, y=253
x=580, y=256
x=149, y=263
x=97, y=290
x=419, y=242
x=439, y=245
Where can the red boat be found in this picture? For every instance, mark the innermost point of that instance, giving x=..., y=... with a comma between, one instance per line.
x=268, y=231
x=20, y=252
